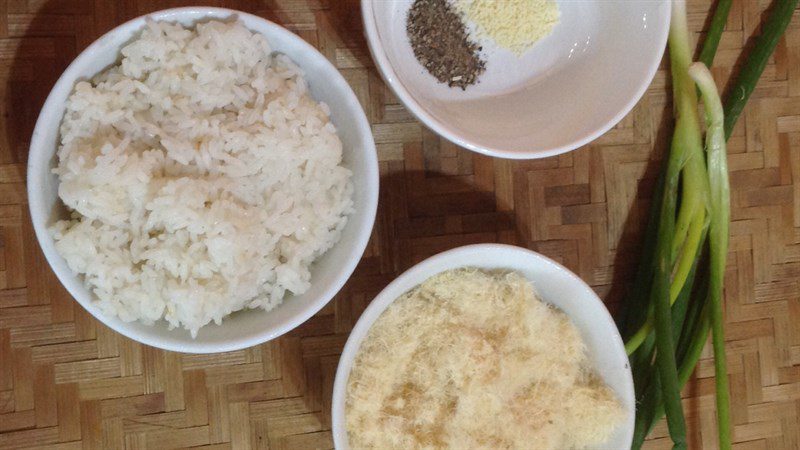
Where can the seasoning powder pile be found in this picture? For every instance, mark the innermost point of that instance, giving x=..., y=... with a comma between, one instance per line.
x=512, y=24
x=442, y=44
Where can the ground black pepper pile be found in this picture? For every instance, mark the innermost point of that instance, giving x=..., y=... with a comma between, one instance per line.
x=442, y=45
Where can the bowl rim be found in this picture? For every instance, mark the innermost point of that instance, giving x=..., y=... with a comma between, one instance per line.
x=428, y=268
x=441, y=128
x=38, y=155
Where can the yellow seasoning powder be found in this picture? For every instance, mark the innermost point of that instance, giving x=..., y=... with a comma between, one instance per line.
x=512, y=24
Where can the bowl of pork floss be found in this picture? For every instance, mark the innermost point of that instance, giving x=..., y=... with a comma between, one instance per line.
x=484, y=347
x=517, y=79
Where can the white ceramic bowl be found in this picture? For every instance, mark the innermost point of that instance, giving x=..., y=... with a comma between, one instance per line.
x=570, y=88
x=328, y=274
x=554, y=283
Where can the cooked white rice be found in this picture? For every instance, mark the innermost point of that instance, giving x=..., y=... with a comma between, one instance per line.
x=201, y=175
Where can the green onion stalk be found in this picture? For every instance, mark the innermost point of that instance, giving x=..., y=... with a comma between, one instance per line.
x=745, y=83
x=714, y=34
x=718, y=236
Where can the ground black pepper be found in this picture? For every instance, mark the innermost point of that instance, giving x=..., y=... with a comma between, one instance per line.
x=442, y=45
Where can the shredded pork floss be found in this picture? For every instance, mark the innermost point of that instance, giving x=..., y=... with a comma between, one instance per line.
x=473, y=359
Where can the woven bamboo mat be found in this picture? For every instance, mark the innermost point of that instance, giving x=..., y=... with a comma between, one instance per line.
x=68, y=382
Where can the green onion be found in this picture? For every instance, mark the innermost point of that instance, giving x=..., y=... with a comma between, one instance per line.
x=752, y=69
x=718, y=236
x=678, y=290
x=715, y=32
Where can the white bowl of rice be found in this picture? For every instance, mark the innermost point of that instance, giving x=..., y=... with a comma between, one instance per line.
x=202, y=180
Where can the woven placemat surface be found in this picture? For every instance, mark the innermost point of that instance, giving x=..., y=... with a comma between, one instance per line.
x=68, y=382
